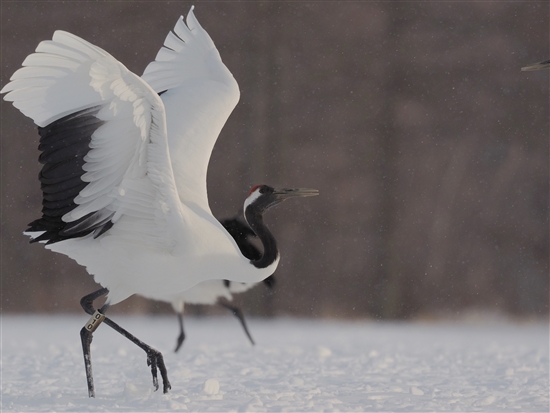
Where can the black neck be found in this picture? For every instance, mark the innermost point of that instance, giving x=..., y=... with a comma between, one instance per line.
x=256, y=222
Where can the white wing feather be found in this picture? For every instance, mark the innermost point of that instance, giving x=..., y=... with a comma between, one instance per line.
x=128, y=166
x=200, y=94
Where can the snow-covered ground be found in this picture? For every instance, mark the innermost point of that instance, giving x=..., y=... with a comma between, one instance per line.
x=297, y=365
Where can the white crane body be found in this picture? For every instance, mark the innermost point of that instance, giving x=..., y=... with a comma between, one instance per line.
x=116, y=261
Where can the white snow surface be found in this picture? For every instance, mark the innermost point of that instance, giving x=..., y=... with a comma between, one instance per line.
x=296, y=365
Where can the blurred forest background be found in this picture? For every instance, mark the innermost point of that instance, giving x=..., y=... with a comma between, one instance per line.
x=428, y=144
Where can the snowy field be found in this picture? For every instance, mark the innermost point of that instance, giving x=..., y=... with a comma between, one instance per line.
x=296, y=365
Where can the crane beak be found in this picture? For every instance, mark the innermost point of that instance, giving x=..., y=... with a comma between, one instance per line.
x=285, y=193
x=536, y=66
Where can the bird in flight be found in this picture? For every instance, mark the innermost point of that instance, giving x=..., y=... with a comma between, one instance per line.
x=124, y=172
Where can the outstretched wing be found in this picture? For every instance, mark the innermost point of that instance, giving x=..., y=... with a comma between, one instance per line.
x=103, y=142
x=199, y=94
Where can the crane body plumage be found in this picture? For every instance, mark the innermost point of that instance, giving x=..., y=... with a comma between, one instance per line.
x=218, y=292
x=117, y=263
x=209, y=292
x=125, y=162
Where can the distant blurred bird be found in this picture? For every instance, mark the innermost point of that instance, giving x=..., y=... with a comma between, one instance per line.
x=124, y=176
x=215, y=291
x=536, y=66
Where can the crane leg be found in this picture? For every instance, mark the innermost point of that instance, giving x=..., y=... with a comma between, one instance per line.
x=181, y=337
x=154, y=357
x=239, y=314
x=86, y=337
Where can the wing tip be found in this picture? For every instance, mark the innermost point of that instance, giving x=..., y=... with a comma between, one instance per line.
x=59, y=35
x=5, y=89
x=190, y=14
x=192, y=21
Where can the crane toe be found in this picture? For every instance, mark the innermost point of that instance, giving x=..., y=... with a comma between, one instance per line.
x=156, y=362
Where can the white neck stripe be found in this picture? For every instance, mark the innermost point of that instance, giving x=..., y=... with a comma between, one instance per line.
x=252, y=198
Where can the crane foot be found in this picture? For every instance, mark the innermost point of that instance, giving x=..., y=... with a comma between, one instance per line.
x=156, y=362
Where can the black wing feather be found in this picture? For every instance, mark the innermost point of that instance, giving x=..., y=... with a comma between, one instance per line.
x=64, y=144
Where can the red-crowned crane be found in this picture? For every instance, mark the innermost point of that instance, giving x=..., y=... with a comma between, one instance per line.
x=220, y=292
x=124, y=176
